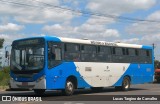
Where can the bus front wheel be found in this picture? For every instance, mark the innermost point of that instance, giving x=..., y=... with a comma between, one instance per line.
x=69, y=88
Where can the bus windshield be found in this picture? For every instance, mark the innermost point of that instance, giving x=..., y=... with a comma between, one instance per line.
x=27, y=55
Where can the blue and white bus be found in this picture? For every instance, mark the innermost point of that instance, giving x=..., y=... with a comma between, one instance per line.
x=54, y=63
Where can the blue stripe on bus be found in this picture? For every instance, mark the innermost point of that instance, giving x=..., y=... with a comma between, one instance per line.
x=147, y=47
x=52, y=38
x=56, y=77
x=139, y=73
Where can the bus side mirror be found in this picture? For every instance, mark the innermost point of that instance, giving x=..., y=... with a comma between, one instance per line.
x=6, y=54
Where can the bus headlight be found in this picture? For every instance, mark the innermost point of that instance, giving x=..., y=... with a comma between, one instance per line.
x=11, y=79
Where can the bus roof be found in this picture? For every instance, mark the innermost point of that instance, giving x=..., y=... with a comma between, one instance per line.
x=103, y=43
x=91, y=42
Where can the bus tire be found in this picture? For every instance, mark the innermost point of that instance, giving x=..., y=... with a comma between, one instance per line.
x=39, y=91
x=125, y=85
x=69, y=88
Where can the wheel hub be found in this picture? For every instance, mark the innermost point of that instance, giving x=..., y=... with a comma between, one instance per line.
x=69, y=86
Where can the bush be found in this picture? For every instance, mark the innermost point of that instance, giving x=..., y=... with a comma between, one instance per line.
x=4, y=76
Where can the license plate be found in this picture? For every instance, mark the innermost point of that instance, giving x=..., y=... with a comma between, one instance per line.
x=24, y=83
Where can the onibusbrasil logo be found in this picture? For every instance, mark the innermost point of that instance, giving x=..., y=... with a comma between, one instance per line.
x=15, y=98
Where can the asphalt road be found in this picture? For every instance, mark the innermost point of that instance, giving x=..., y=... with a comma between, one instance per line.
x=107, y=94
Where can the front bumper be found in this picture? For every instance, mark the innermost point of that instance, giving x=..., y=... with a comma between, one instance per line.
x=40, y=84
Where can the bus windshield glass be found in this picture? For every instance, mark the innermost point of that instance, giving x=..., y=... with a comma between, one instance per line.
x=27, y=55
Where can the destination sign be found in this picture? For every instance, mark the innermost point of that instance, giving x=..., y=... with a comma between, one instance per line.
x=29, y=42
x=103, y=43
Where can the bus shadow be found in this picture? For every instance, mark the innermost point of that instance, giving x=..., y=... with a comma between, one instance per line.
x=56, y=93
x=105, y=90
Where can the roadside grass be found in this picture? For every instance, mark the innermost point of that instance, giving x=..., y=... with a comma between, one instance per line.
x=4, y=78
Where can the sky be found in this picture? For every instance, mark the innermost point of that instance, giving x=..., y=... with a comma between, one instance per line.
x=127, y=21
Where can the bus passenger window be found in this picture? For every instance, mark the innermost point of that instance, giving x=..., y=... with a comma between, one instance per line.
x=147, y=53
x=51, y=54
x=72, y=52
x=136, y=52
x=114, y=50
x=54, y=54
x=57, y=54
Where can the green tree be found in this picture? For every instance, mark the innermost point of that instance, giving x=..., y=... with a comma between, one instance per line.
x=4, y=76
x=1, y=42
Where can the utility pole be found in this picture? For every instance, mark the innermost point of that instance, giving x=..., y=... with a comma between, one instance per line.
x=153, y=45
x=153, y=49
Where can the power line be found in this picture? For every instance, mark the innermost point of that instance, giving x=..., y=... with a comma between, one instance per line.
x=85, y=13
x=33, y=6
x=98, y=14
x=18, y=3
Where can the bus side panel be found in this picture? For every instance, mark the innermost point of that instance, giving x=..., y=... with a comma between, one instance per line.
x=143, y=74
x=57, y=76
x=139, y=74
x=101, y=74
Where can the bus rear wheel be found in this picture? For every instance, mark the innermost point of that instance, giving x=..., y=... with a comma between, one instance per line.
x=125, y=84
x=69, y=88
